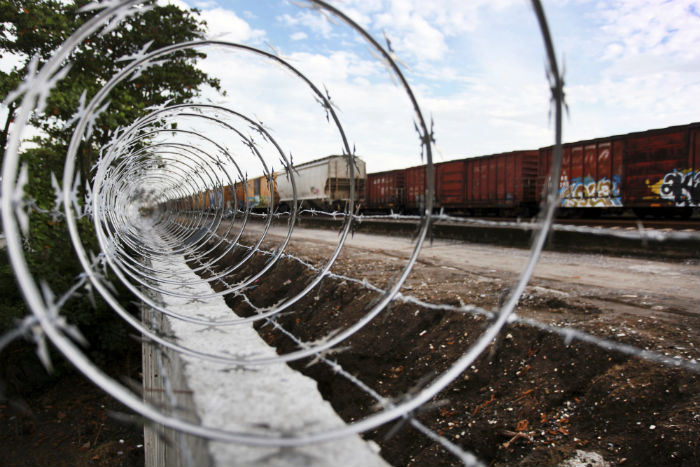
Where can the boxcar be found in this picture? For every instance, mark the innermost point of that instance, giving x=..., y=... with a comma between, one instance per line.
x=323, y=183
x=198, y=201
x=451, y=184
x=662, y=168
x=257, y=193
x=229, y=198
x=385, y=190
x=240, y=196
x=209, y=200
x=415, y=187
x=234, y=197
x=652, y=172
x=503, y=183
x=213, y=199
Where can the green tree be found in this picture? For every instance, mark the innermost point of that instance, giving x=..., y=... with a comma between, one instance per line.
x=28, y=28
x=36, y=28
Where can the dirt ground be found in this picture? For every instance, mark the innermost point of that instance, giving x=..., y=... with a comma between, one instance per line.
x=62, y=420
x=531, y=399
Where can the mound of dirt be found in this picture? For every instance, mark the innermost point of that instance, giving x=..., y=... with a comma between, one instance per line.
x=530, y=400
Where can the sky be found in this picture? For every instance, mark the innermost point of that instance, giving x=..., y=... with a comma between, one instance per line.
x=477, y=69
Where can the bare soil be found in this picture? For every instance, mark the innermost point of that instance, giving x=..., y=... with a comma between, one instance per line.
x=63, y=419
x=531, y=399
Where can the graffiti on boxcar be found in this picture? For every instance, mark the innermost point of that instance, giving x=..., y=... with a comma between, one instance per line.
x=680, y=186
x=587, y=192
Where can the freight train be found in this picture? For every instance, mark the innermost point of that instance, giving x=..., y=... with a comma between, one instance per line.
x=322, y=184
x=650, y=173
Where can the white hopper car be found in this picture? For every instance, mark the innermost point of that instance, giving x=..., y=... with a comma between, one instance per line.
x=322, y=184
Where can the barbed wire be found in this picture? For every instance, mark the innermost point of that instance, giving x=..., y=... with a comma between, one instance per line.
x=639, y=232
x=468, y=459
x=157, y=195
x=568, y=334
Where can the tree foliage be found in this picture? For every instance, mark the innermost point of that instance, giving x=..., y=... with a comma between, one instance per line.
x=40, y=26
x=36, y=28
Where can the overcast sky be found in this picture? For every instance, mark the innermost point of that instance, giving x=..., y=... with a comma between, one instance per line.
x=477, y=68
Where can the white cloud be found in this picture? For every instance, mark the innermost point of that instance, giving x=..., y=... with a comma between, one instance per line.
x=225, y=24
x=178, y=3
x=477, y=69
x=336, y=67
x=485, y=115
x=420, y=29
x=613, y=51
x=651, y=28
x=317, y=23
x=488, y=117
x=376, y=115
x=205, y=4
x=411, y=34
x=358, y=15
x=452, y=17
x=420, y=39
x=646, y=74
x=645, y=101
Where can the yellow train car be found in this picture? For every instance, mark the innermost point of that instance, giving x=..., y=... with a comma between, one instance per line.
x=258, y=193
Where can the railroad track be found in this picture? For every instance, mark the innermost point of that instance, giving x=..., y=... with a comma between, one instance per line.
x=672, y=224
x=612, y=223
x=601, y=239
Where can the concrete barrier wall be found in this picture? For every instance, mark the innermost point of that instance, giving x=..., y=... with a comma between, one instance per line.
x=239, y=398
x=165, y=385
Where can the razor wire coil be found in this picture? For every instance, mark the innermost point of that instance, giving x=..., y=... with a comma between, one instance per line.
x=179, y=165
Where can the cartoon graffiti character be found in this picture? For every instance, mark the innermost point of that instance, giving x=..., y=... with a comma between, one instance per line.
x=681, y=187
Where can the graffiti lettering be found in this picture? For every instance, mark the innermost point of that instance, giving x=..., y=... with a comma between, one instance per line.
x=681, y=187
x=588, y=193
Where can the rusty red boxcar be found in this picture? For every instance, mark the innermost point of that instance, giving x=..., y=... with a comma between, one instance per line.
x=499, y=184
x=662, y=168
x=451, y=184
x=415, y=187
x=385, y=190
x=655, y=171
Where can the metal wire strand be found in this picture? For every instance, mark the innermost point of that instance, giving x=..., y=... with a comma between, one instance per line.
x=191, y=229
